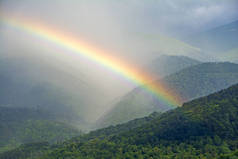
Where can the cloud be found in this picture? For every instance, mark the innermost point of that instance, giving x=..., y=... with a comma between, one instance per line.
x=134, y=14
x=185, y=15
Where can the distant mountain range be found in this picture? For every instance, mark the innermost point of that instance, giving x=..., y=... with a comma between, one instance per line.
x=231, y=55
x=217, y=40
x=192, y=82
x=165, y=65
x=206, y=127
x=203, y=79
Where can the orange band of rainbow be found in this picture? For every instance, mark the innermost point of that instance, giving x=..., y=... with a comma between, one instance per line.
x=83, y=49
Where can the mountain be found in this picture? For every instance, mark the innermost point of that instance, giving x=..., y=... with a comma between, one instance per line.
x=39, y=84
x=189, y=83
x=203, y=79
x=231, y=55
x=217, y=40
x=24, y=125
x=35, y=104
x=165, y=65
x=20, y=86
x=206, y=127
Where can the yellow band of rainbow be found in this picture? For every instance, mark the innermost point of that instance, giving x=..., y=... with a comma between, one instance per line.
x=83, y=49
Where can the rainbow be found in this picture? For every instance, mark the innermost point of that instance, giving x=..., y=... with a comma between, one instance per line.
x=74, y=45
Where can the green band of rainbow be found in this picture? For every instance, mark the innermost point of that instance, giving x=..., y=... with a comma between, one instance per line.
x=76, y=46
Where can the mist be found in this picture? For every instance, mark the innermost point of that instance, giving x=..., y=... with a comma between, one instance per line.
x=135, y=31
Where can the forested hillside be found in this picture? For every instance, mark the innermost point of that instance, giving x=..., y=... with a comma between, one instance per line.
x=189, y=83
x=27, y=125
x=203, y=79
x=203, y=128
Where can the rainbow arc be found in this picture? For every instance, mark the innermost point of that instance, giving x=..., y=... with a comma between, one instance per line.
x=73, y=44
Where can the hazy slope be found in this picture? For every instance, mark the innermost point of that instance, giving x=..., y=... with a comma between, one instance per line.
x=165, y=65
x=217, y=40
x=141, y=100
x=189, y=83
x=29, y=83
x=39, y=102
x=203, y=128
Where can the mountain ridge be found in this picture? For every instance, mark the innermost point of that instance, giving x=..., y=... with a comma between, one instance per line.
x=217, y=40
x=192, y=82
x=165, y=65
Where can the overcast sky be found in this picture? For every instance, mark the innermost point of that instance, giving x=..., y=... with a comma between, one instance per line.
x=122, y=25
x=132, y=15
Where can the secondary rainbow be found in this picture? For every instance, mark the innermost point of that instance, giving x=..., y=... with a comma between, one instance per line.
x=74, y=45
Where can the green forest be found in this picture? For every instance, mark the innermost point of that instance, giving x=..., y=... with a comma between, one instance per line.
x=26, y=125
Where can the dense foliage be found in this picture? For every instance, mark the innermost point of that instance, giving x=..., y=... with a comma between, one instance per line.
x=203, y=128
x=190, y=83
x=24, y=125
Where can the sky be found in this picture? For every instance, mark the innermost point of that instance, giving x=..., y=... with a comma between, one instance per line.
x=135, y=30
x=121, y=26
x=132, y=15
